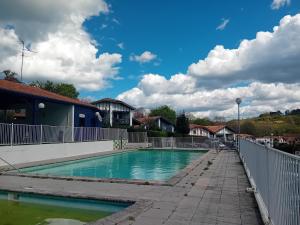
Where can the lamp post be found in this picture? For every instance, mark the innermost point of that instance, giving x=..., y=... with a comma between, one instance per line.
x=238, y=102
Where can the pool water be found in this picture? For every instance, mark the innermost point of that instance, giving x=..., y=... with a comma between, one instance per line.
x=34, y=209
x=158, y=165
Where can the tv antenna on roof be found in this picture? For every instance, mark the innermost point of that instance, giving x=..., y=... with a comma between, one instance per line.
x=24, y=48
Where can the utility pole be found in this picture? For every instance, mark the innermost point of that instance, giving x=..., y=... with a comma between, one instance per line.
x=238, y=102
x=23, y=49
x=23, y=55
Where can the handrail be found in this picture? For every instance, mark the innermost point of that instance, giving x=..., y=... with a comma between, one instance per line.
x=10, y=164
x=275, y=178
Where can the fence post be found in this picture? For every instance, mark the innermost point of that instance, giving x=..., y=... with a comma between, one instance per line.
x=81, y=133
x=268, y=184
x=41, y=134
x=63, y=137
x=192, y=141
x=12, y=134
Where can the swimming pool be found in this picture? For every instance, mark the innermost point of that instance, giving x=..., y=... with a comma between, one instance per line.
x=31, y=209
x=150, y=164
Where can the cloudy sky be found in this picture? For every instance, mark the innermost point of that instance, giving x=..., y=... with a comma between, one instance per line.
x=196, y=56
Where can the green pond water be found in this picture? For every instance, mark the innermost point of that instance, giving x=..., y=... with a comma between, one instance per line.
x=21, y=213
x=31, y=209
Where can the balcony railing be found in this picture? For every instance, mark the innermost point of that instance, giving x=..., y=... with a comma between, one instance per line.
x=21, y=134
x=275, y=178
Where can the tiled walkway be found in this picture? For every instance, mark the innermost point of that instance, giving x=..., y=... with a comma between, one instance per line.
x=212, y=194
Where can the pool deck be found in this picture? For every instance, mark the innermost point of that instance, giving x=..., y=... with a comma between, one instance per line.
x=213, y=193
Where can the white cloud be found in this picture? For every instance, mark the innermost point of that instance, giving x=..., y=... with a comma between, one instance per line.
x=65, y=51
x=121, y=45
x=276, y=4
x=270, y=57
x=267, y=66
x=223, y=24
x=257, y=98
x=145, y=57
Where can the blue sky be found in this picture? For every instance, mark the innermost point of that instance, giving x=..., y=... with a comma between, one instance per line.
x=192, y=55
x=178, y=32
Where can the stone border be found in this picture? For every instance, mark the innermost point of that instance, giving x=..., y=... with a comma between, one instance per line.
x=127, y=214
x=170, y=182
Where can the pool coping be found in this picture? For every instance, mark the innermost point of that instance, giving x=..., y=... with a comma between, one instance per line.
x=128, y=213
x=170, y=182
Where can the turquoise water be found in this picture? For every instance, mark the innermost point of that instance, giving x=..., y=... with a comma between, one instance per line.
x=142, y=164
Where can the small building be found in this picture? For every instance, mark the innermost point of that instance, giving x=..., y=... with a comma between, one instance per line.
x=222, y=132
x=248, y=137
x=156, y=121
x=115, y=113
x=218, y=131
x=265, y=140
x=199, y=130
x=24, y=104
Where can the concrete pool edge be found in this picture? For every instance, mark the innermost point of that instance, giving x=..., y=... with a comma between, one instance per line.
x=170, y=182
x=137, y=205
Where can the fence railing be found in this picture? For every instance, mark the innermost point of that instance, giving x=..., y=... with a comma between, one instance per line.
x=137, y=137
x=180, y=142
x=275, y=176
x=21, y=134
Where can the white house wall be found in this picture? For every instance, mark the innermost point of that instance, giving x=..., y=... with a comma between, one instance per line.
x=34, y=153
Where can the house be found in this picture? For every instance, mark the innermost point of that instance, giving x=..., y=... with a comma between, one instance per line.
x=24, y=104
x=199, y=130
x=248, y=137
x=115, y=113
x=157, y=121
x=217, y=131
x=266, y=140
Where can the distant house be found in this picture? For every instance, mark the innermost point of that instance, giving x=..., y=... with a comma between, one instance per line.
x=199, y=130
x=247, y=137
x=158, y=121
x=218, y=131
x=266, y=140
x=24, y=104
x=115, y=113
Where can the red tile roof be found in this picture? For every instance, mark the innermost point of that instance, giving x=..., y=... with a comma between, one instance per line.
x=193, y=126
x=35, y=91
x=213, y=129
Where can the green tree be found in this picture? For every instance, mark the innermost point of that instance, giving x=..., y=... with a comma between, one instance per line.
x=164, y=111
x=202, y=121
x=10, y=76
x=182, y=124
x=64, y=89
x=248, y=127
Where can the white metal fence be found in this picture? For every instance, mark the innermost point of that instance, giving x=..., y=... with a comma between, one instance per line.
x=137, y=137
x=20, y=134
x=275, y=175
x=180, y=142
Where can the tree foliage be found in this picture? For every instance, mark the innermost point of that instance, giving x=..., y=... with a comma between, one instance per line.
x=202, y=121
x=182, y=124
x=164, y=111
x=64, y=89
x=10, y=76
x=248, y=127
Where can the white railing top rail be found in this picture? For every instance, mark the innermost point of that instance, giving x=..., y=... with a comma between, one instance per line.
x=274, y=149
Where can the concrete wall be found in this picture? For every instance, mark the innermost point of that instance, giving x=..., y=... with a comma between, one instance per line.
x=32, y=153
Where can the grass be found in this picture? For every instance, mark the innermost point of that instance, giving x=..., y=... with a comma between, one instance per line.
x=20, y=213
